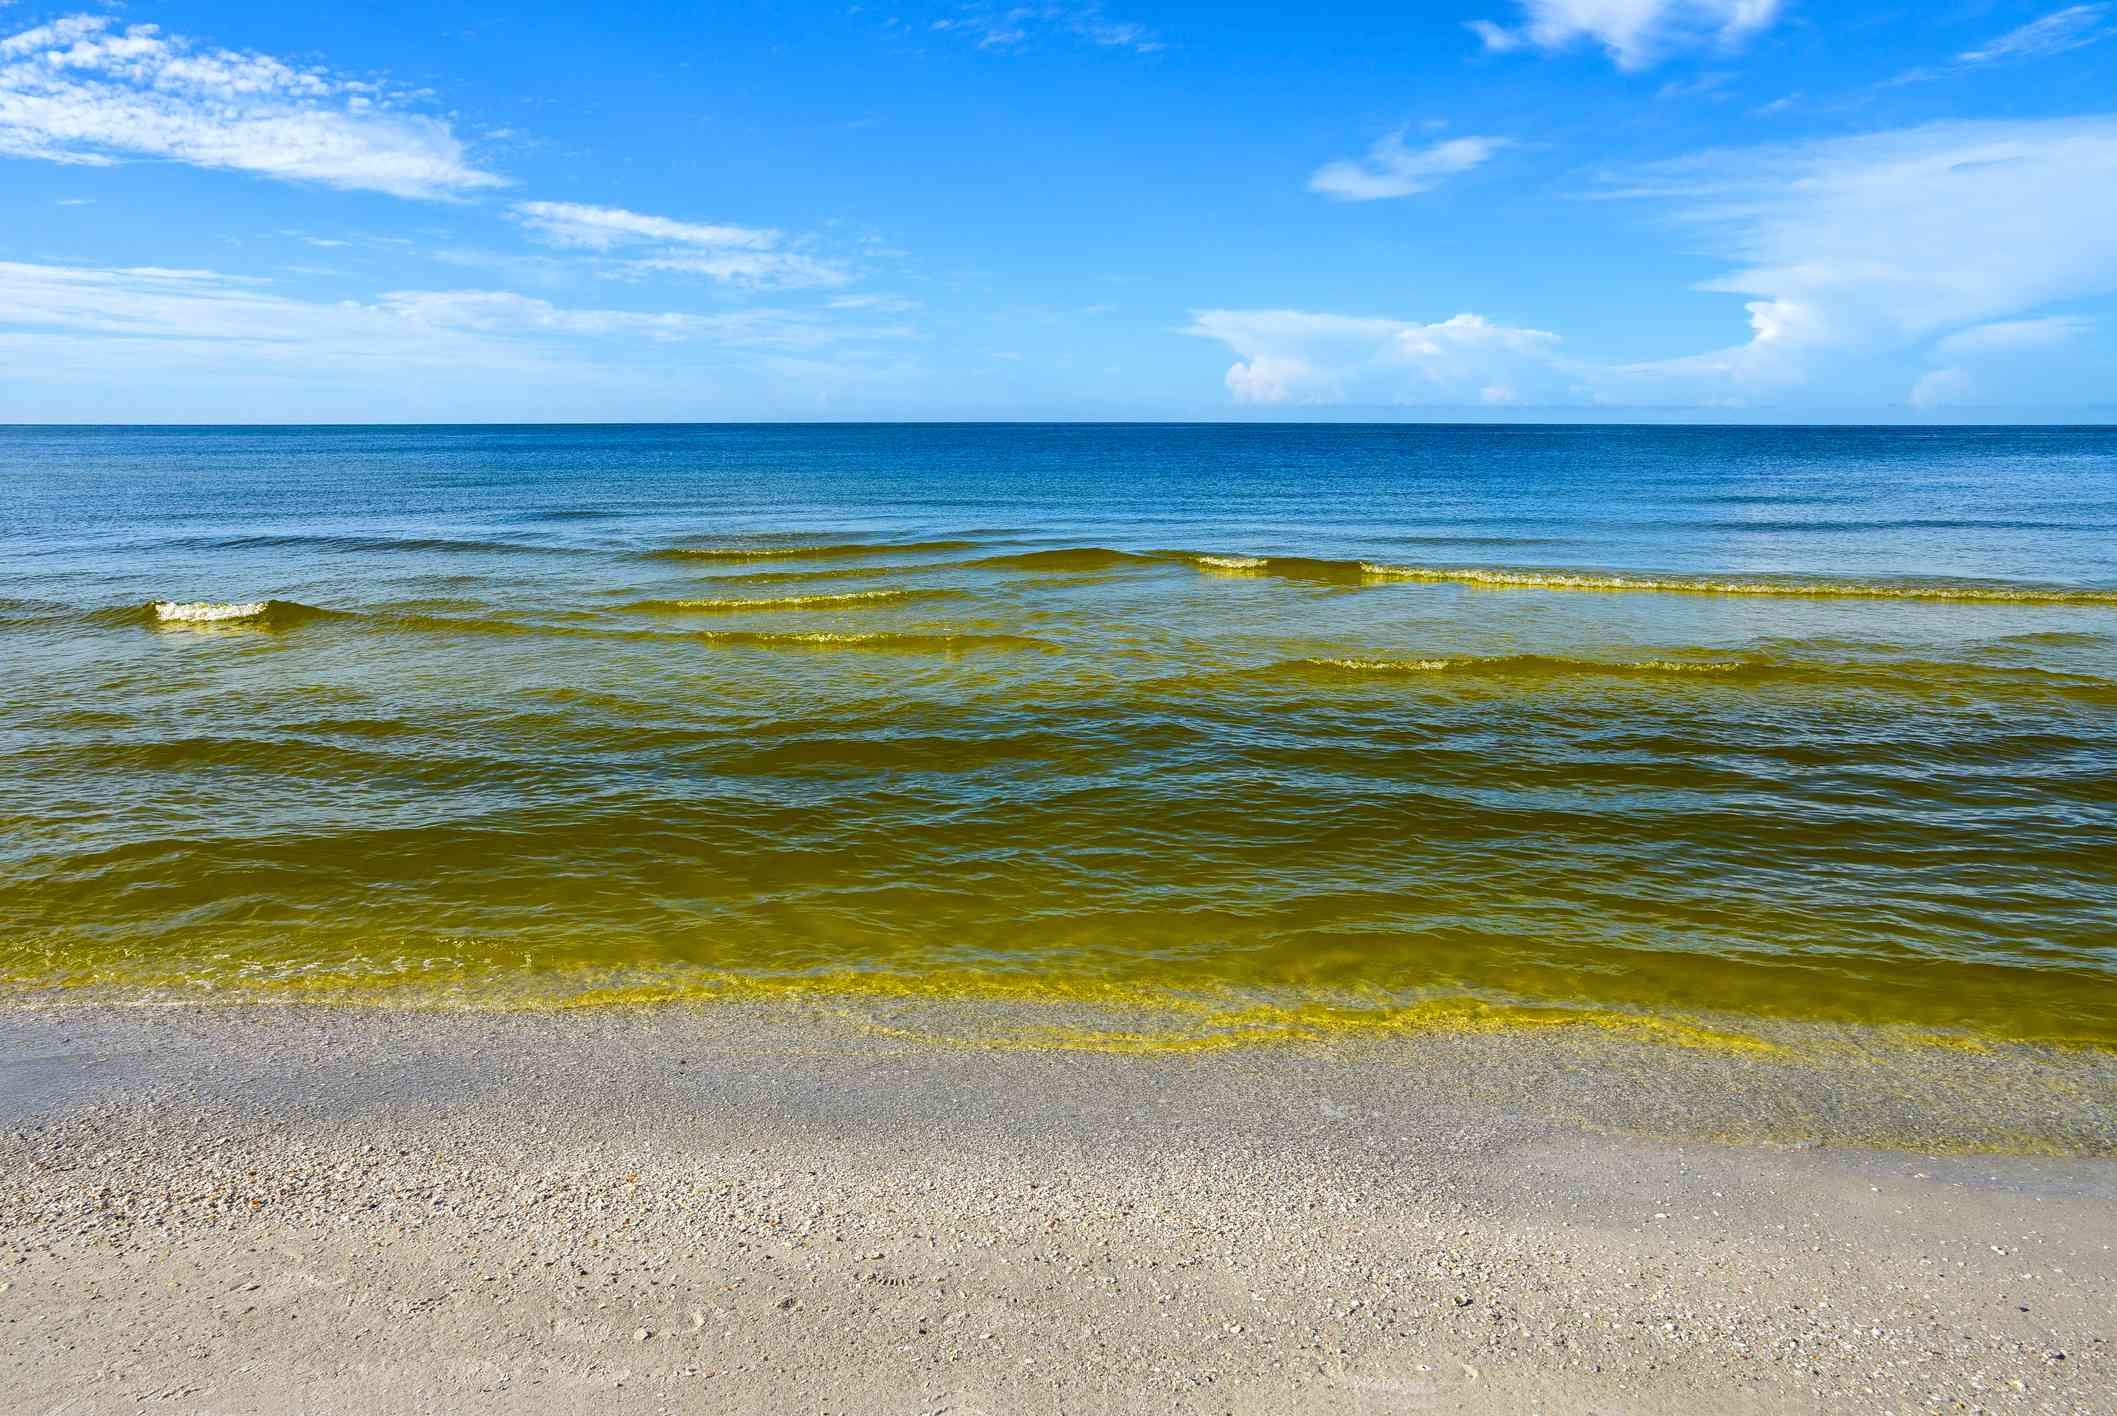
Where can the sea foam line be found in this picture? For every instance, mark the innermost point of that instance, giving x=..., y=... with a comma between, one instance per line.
x=1532, y=663
x=1706, y=585
x=789, y=602
x=207, y=611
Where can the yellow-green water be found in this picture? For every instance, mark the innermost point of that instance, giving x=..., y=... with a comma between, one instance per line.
x=1275, y=732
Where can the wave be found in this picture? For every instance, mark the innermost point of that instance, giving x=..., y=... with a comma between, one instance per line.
x=849, y=599
x=1366, y=572
x=1711, y=585
x=1072, y=558
x=1312, y=568
x=203, y=612
x=1539, y=666
x=903, y=643
x=214, y=614
x=1916, y=676
x=939, y=640
x=825, y=551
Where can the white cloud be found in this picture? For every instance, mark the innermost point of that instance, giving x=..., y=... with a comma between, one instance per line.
x=1012, y=26
x=1391, y=169
x=1636, y=33
x=760, y=270
x=2009, y=336
x=80, y=90
x=1303, y=357
x=737, y=255
x=505, y=312
x=2055, y=33
x=1941, y=387
x=203, y=314
x=881, y=304
x=1989, y=350
x=597, y=228
x=1861, y=245
x=1704, y=85
x=1951, y=239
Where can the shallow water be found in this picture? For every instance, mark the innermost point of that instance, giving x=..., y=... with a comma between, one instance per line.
x=1284, y=728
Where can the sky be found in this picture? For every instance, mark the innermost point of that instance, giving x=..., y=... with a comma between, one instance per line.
x=1557, y=210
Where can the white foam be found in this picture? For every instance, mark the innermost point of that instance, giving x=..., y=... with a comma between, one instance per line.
x=206, y=611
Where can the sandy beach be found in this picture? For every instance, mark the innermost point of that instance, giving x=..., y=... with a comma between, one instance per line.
x=222, y=1210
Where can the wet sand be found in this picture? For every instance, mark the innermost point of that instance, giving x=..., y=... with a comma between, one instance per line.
x=268, y=1209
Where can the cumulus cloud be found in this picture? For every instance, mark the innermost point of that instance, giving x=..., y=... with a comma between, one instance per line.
x=1636, y=33
x=82, y=90
x=738, y=255
x=1304, y=357
x=1392, y=169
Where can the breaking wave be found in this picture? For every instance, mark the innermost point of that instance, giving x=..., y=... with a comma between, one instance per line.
x=215, y=614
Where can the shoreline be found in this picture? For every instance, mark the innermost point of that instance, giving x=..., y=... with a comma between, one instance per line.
x=267, y=1209
x=212, y=1209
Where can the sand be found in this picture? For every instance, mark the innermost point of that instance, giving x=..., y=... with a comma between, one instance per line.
x=766, y=1209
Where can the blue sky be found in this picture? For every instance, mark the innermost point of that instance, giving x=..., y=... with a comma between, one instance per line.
x=1549, y=209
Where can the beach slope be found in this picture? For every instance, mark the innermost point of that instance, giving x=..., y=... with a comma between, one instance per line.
x=273, y=1210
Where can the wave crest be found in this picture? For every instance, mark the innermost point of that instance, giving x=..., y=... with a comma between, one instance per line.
x=850, y=599
x=218, y=614
x=1538, y=666
x=1712, y=585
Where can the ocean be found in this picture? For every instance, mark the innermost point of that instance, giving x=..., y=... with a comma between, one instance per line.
x=1260, y=730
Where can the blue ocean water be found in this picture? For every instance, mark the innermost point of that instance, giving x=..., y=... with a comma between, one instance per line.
x=1807, y=721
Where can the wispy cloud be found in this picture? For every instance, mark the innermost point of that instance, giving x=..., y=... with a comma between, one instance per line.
x=737, y=255
x=1013, y=26
x=1889, y=239
x=1940, y=388
x=2055, y=33
x=2008, y=336
x=1971, y=357
x=1712, y=81
x=599, y=228
x=1636, y=33
x=82, y=90
x=879, y=304
x=1393, y=169
x=204, y=310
